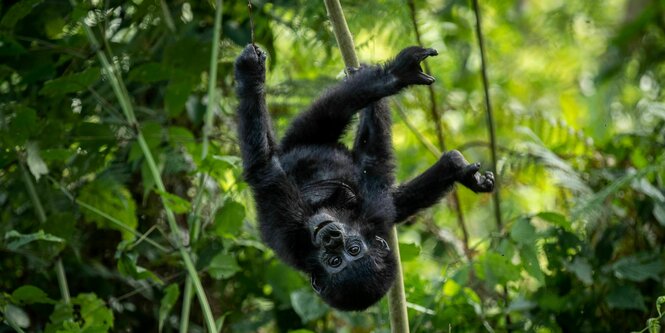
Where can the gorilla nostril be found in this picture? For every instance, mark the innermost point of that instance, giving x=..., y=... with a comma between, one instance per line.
x=334, y=233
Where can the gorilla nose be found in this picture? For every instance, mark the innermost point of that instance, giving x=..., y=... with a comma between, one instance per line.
x=332, y=239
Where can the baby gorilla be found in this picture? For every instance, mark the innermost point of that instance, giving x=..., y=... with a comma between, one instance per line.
x=327, y=210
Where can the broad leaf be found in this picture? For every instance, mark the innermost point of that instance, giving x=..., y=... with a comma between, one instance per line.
x=228, y=220
x=223, y=266
x=28, y=294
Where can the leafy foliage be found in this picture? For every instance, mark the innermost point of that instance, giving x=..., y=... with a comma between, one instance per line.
x=578, y=101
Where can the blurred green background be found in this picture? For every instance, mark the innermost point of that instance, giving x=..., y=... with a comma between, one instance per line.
x=580, y=130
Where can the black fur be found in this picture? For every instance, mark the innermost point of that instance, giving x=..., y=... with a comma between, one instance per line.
x=327, y=210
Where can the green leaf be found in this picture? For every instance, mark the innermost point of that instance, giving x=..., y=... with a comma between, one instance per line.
x=648, y=189
x=171, y=294
x=16, y=315
x=72, y=83
x=654, y=325
x=22, y=126
x=659, y=302
x=113, y=199
x=659, y=213
x=409, y=251
x=17, y=12
x=228, y=220
x=556, y=219
x=127, y=265
x=35, y=162
x=639, y=268
x=177, y=93
x=530, y=262
x=85, y=313
x=523, y=232
x=17, y=240
x=283, y=281
x=30, y=295
x=307, y=305
x=223, y=266
x=149, y=73
x=582, y=269
x=175, y=203
x=626, y=297
x=496, y=269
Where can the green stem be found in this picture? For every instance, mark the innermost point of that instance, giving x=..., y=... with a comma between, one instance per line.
x=195, y=226
x=399, y=320
x=41, y=215
x=123, y=97
x=490, y=115
x=62, y=280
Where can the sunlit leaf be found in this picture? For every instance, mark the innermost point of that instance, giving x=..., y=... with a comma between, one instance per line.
x=35, y=162
x=659, y=213
x=556, y=219
x=16, y=315
x=229, y=219
x=175, y=203
x=85, y=313
x=113, y=199
x=409, y=251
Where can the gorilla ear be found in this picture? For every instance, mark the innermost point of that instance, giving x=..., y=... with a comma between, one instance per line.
x=315, y=285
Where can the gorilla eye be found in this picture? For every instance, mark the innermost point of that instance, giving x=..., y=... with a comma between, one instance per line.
x=354, y=250
x=383, y=242
x=334, y=261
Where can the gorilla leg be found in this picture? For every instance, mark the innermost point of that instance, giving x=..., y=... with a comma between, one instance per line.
x=373, y=150
x=428, y=188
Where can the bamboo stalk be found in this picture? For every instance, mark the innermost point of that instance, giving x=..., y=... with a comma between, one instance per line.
x=399, y=321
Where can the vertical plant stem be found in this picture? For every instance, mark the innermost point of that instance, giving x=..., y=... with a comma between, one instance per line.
x=62, y=280
x=490, y=115
x=123, y=97
x=41, y=216
x=195, y=225
x=436, y=117
x=399, y=321
x=490, y=126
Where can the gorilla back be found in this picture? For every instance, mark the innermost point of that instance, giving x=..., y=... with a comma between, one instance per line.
x=323, y=208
